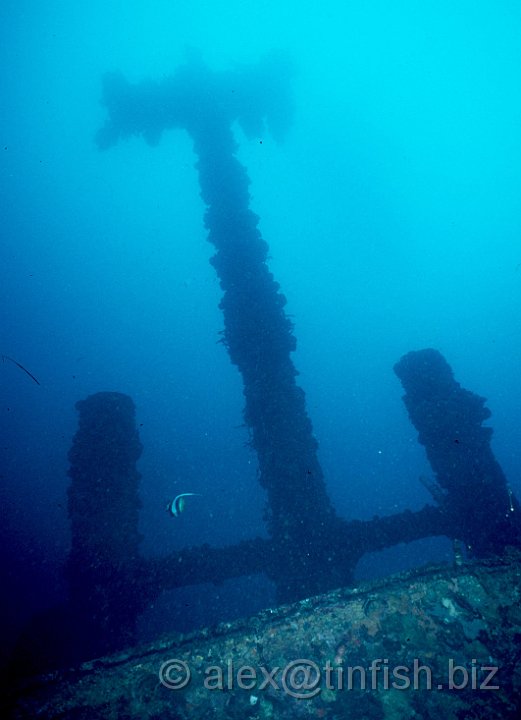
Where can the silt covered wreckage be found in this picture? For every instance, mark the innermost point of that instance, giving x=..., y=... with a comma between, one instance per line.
x=467, y=614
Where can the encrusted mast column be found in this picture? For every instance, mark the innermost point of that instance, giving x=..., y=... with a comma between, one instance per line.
x=471, y=487
x=257, y=332
x=259, y=339
x=104, y=599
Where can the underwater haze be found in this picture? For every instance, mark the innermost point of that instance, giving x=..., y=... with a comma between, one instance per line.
x=392, y=214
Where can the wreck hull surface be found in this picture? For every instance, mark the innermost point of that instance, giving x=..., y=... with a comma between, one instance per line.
x=420, y=642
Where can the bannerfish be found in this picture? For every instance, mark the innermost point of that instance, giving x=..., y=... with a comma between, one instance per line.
x=176, y=506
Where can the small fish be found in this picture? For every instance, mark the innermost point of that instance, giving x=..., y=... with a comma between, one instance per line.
x=176, y=506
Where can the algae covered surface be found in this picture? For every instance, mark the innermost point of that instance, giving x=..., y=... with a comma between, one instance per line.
x=438, y=643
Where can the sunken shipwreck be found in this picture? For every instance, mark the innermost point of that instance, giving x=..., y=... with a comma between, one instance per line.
x=461, y=618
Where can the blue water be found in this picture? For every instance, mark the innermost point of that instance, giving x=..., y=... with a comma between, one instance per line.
x=392, y=215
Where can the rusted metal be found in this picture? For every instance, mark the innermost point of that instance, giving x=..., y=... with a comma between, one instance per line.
x=442, y=642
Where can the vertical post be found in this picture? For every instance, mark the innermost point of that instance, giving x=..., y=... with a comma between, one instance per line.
x=259, y=338
x=473, y=489
x=257, y=332
x=103, y=509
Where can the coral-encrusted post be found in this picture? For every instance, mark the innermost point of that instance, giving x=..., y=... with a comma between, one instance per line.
x=104, y=599
x=257, y=332
x=473, y=490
